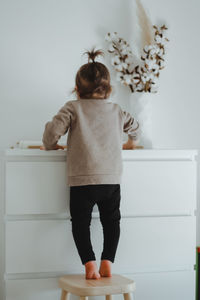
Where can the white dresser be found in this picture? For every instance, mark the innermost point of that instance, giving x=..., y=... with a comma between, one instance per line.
x=158, y=226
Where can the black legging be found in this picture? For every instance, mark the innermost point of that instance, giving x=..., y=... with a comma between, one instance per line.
x=82, y=199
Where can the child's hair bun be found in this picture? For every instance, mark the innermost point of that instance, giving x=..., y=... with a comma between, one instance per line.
x=93, y=54
x=93, y=78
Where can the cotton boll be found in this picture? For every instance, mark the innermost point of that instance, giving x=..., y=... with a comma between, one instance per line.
x=161, y=52
x=128, y=78
x=125, y=51
x=152, y=57
x=124, y=65
x=140, y=86
x=129, y=49
x=151, y=76
x=155, y=69
x=144, y=79
x=115, y=60
x=162, y=63
x=155, y=81
x=119, y=67
x=108, y=37
x=119, y=76
x=122, y=81
x=148, y=47
x=136, y=80
x=152, y=51
x=128, y=59
x=155, y=50
x=131, y=68
x=123, y=47
x=161, y=40
x=124, y=43
x=142, y=69
x=164, y=41
x=146, y=64
x=147, y=76
x=114, y=35
x=158, y=39
x=111, y=48
x=154, y=46
x=111, y=37
x=150, y=63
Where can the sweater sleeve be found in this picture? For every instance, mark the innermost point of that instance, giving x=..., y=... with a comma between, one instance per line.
x=130, y=126
x=57, y=127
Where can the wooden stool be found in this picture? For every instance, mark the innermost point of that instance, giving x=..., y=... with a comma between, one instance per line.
x=105, y=286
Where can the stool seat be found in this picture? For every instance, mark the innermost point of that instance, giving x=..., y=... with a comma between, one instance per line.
x=78, y=285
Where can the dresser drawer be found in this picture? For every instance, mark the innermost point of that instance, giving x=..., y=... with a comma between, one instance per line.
x=146, y=244
x=36, y=187
x=158, y=187
x=148, y=188
x=164, y=285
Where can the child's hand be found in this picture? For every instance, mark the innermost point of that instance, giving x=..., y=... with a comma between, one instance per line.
x=127, y=146
x=57, y=147
x=130, y=144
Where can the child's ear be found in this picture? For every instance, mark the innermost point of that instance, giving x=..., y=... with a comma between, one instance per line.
x=77, y=91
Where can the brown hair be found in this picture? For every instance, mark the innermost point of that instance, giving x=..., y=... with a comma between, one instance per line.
x=93, y=79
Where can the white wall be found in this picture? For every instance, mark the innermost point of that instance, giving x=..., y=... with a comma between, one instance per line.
x=41, y=47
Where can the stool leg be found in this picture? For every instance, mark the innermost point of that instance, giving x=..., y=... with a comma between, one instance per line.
x=108, y=297
x=83, y=298
x=64, y=295
x=127, y=296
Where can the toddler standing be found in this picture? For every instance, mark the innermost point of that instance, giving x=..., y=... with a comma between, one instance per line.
x=95, y=129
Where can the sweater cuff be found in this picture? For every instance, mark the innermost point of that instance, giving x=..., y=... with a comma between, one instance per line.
x=132, y=137
x=50, y=147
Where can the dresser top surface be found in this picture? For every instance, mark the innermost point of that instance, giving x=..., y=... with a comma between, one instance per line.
x=137, y=154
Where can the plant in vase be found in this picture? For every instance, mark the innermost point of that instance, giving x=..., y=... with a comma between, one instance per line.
x=141, y=78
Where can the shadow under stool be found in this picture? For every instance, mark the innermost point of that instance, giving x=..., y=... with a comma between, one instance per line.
x=105, y=286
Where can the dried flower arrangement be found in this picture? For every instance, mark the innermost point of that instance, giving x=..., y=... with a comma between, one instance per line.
x=144, y=77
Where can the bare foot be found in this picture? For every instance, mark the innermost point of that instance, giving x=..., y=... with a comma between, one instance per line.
x=91, y=270
x=105, y=268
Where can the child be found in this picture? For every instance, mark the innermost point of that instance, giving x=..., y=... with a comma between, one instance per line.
x=94, y=165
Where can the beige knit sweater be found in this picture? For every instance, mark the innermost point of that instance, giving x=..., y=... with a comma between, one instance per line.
x=94, y=143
